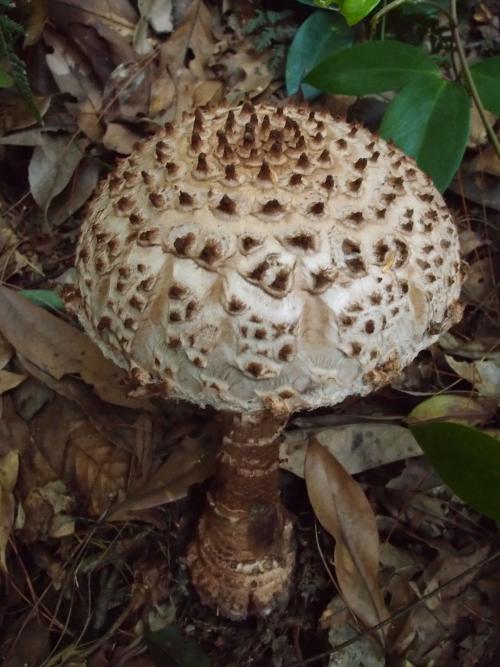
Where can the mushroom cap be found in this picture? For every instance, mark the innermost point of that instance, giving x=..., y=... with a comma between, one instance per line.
x=251, y=258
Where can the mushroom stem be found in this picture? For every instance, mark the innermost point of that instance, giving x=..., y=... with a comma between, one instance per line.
x=243, y=554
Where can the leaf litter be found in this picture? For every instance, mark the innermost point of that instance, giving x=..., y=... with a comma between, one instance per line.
x=99, y=492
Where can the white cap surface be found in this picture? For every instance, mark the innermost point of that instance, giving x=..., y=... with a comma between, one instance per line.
x=259, y=258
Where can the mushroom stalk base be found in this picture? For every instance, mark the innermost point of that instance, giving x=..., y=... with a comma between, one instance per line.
x=243, y=555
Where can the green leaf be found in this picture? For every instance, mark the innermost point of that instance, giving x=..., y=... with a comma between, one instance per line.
x=452, y=408
x=322, y=4
x=486, y=75
x=321, y=34
x=356, y=10
x=467, y=460
x=44, y=298
x=372, y=67
x=429, y=120
x=169, y=648
x=5, y=79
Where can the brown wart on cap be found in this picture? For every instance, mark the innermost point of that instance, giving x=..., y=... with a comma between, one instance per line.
x=248, y=246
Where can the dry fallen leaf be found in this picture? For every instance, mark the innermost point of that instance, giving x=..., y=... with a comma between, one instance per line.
x=476, y=348
x=484, y=374
x=13, y=260
x=6, y=352
x=60, y=349
x=83, y=183
x=10, y=380
x=9, y=468
x=479, y=286
x=158, y=14
x=52, y=165
x=357, y=447
x=100, y=469
x=190, y=463
x=344, y=511
x=195, y=36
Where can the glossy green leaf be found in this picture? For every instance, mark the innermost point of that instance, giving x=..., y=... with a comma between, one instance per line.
x=429, y=120
x=169, y=648
x=356, y=10
x=486, y=75
x=5, y=79
x=372, y=67
x=44, y=298
x=321, y=34
x=467, y=460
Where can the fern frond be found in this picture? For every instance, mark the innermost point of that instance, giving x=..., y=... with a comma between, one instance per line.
x=9, y=29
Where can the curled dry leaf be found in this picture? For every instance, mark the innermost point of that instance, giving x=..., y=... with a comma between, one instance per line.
x=82, y=186
x=483, y=374
x=59, y=348
x=357, y=447
x=477, y=348
x=52, y=165
x=344, y=511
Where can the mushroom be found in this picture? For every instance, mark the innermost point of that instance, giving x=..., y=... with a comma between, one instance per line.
x=263, y=261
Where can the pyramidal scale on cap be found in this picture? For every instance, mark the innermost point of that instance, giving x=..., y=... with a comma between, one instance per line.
x=263, y=261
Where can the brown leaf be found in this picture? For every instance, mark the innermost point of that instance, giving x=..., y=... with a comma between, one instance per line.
x=82, y=185
x=26, y=642
x=344, y=511
x=82, y=457
x=479, y=286
x=119, y=138
x=100, y=469
x=117, y=424
x=193, y=35
x=158, y=13
x=10, y=380
x=52, y=165
x=9, y=467
x=37, y=18
x=13, y=259
x=6, y=352
x=190, y=463
x=59, y=349
x=7, y=511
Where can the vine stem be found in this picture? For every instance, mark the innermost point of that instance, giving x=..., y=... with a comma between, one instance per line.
x=455, y=31
x=382, y=12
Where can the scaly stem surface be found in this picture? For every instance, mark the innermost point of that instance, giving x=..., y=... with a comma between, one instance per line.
x=243, y=556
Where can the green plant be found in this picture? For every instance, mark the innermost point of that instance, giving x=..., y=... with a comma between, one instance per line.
x=429, y=115
x=15, y=74
x=271, y=31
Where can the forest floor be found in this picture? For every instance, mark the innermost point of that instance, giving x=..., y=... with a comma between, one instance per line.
x=99, y=492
